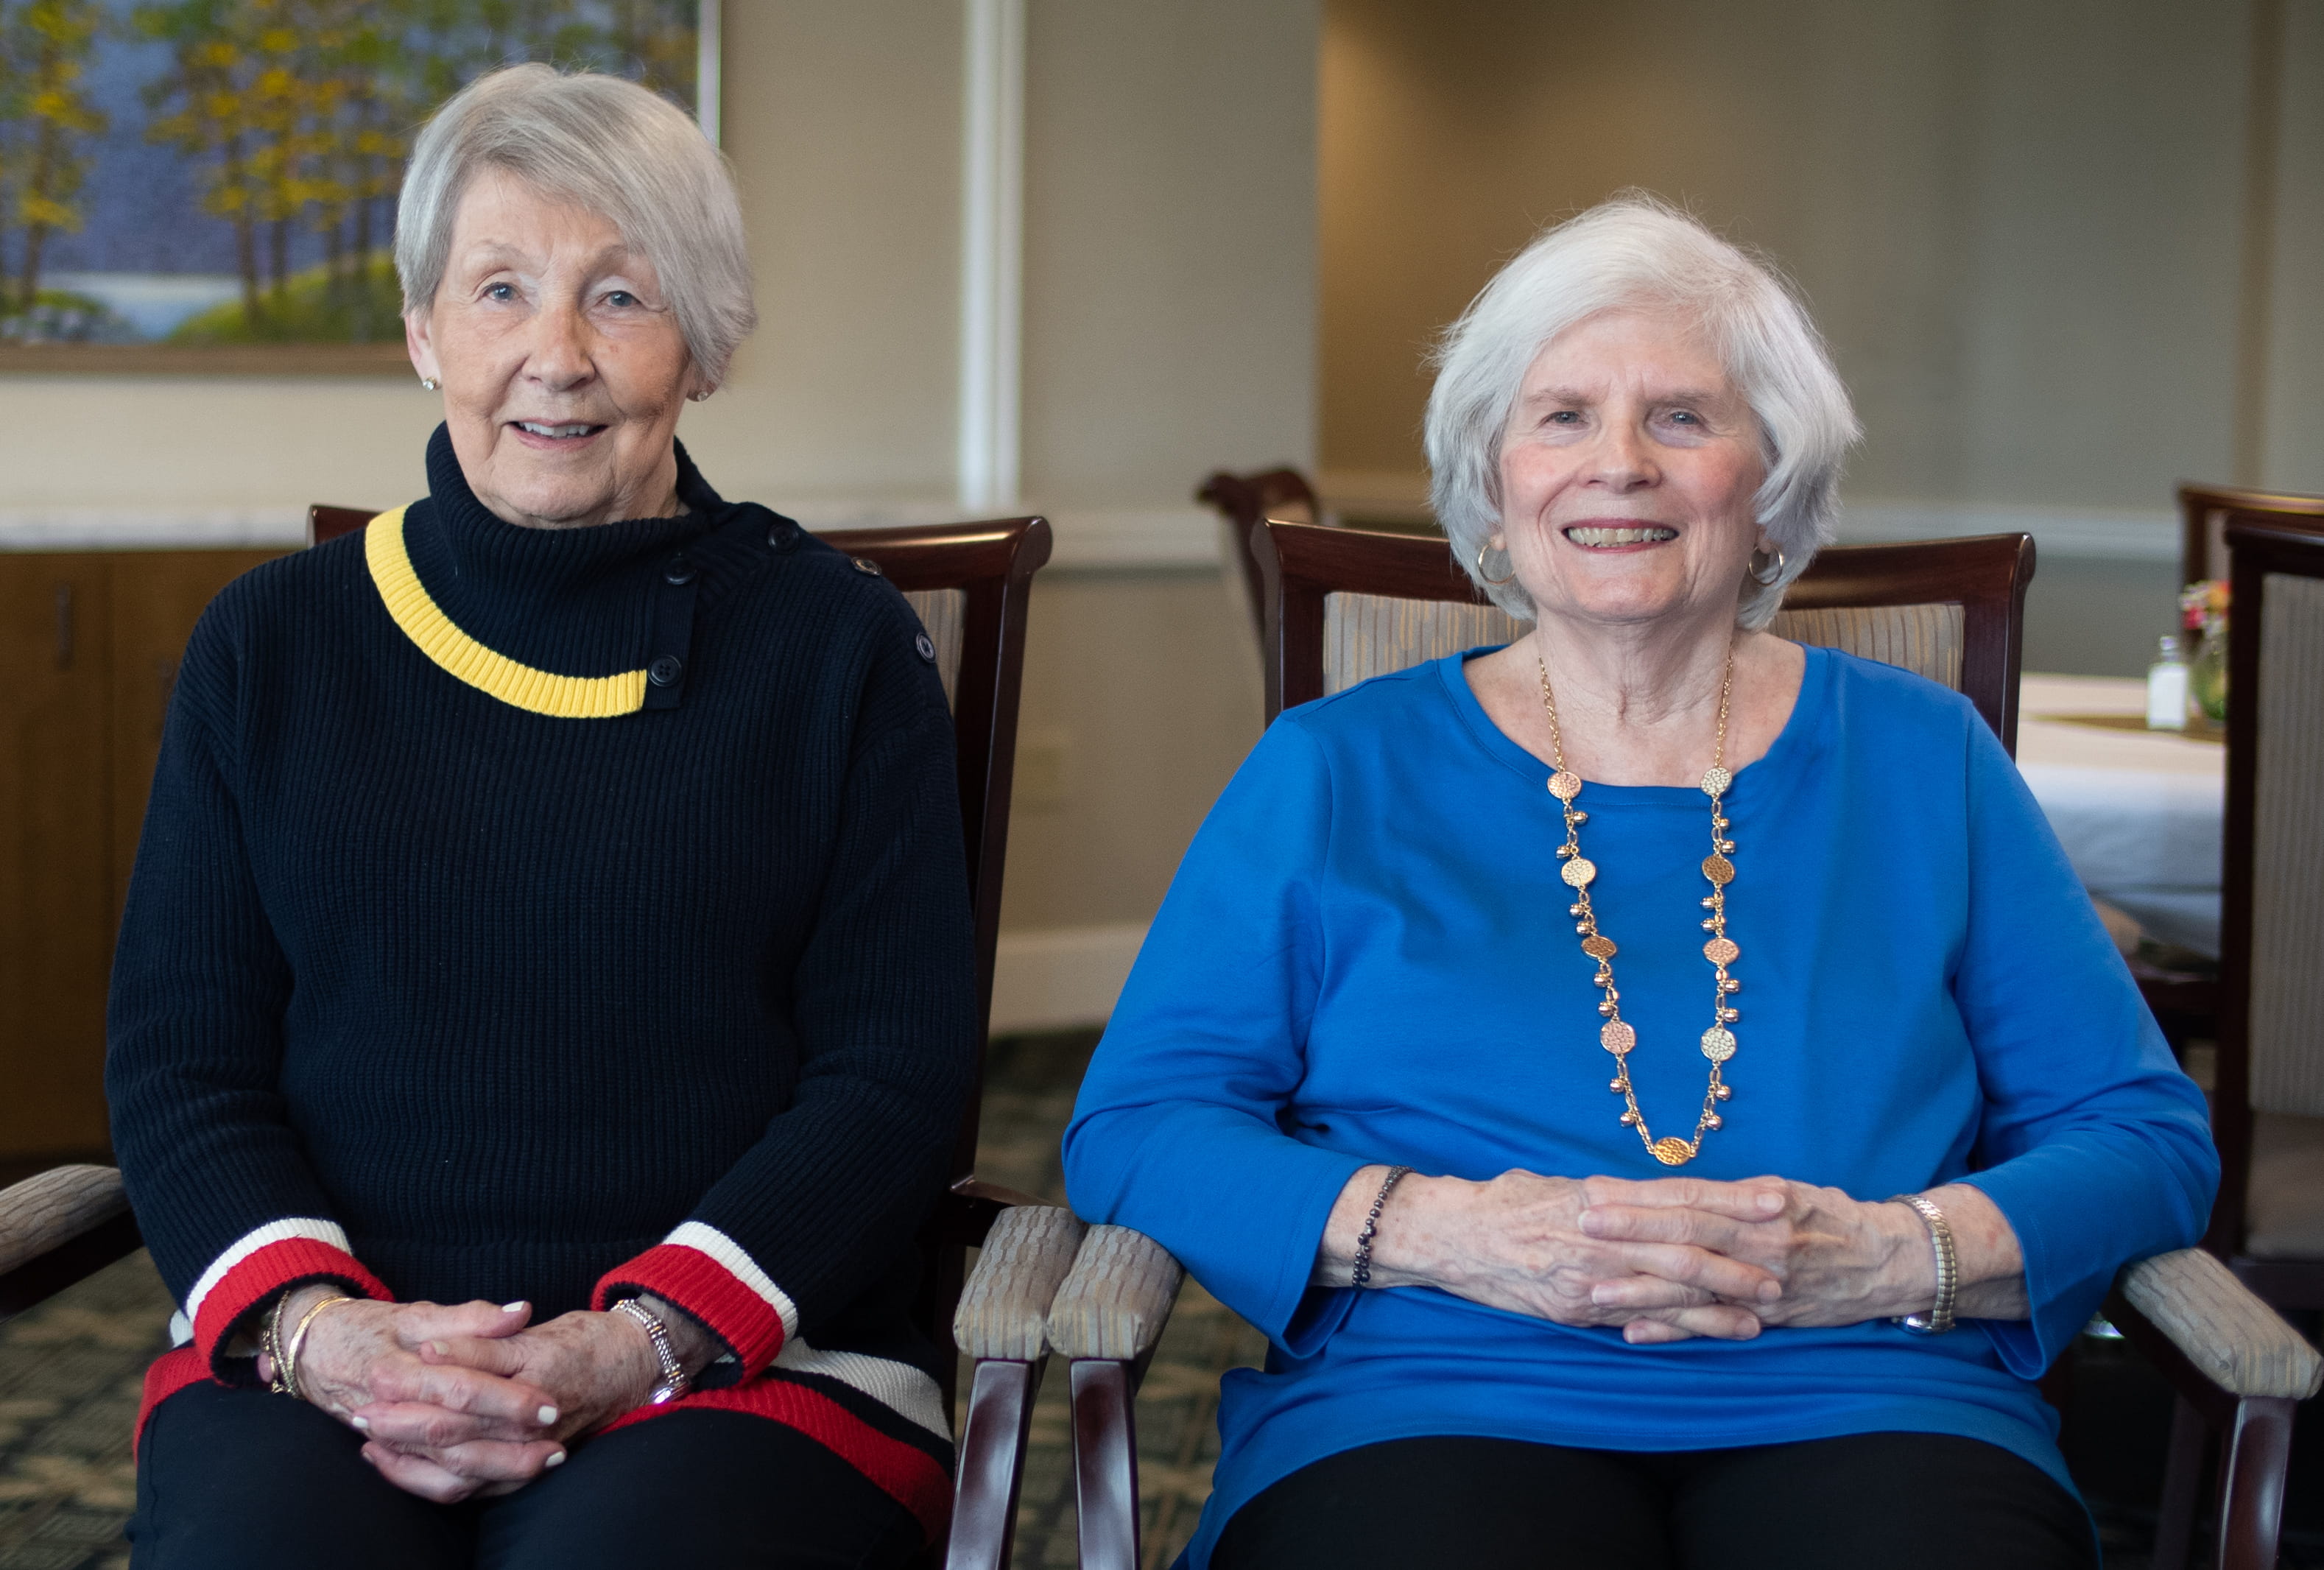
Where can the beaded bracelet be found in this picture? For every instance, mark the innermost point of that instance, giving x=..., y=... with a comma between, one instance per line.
x=1363, y=1274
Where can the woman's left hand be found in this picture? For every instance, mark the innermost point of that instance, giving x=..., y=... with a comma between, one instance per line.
x=1841, y=1261
x=595, y=1367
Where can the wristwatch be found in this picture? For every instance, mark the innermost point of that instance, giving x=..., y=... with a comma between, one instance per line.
x=673, y=1380
x=1939, y=1319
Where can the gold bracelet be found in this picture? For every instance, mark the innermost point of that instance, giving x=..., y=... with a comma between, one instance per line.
x=270, y=1341
x=286, y=1364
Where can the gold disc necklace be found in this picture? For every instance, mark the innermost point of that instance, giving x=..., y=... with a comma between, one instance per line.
x=1616, y=1035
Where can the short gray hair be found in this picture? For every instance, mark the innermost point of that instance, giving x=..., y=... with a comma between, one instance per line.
x=604, y=144
x=1637, y=251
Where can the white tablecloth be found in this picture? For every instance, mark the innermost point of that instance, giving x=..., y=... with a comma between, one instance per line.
x=2138, y=811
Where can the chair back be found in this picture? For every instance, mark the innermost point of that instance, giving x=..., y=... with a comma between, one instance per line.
x=1241, y=501
x=2271, y=1057
x=2204, y=511
x=969, y=583
x=1344, y=604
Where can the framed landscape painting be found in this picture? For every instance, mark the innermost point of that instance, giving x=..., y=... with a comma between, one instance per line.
x=209, y=185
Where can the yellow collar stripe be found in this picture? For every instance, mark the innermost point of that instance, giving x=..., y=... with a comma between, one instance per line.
x=423, y=622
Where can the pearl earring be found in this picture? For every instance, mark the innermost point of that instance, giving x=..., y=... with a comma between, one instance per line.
x=430, y=383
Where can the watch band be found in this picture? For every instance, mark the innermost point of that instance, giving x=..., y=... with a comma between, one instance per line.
x=674, y=1382
x=1940, y=1317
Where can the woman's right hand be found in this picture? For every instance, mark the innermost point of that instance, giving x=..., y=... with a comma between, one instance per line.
x=1516, y=1243
x=489, y=1434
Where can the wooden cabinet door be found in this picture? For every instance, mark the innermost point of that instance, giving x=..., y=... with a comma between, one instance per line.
x=158, y=596
x=89, y=645
x=56, y=889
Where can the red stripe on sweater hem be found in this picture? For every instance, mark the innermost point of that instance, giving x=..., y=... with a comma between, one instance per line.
x=172, y=1371
x=708, y=1290
x=905, y=1474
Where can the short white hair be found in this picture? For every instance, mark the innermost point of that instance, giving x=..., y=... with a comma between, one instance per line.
x=602, y=143
x=1637, y=252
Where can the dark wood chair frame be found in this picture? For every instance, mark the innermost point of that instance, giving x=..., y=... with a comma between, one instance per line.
x=1244, y=500
x=1988, y=576
x=993, y=563
x=2199, y=505
x=2259, y=546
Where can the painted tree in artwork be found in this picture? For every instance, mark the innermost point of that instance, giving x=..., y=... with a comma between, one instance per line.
x=297, y=117
x=205, y=108
x=46, y=46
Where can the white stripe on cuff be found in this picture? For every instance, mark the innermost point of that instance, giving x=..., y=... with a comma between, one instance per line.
x=728, y=1254
x=309, y=1228
x=899, y=1387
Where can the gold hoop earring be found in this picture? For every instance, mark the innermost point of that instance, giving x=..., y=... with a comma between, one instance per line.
x=1488, y=577
x=430, y=383
x=1771, y=578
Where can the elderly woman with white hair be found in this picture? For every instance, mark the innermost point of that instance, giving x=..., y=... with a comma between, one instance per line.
x=546, y=993
x=1569, y=1250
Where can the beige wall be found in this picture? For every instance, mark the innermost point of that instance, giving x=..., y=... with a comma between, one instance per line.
x=2022, y=227
x=1169, y=244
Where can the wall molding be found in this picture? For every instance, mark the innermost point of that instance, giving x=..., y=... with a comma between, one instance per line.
x=1095, y=538
x=709, y=65
x=1088, y=539
x=152, y=528
x=993, y=254
x=2093, y=532
x=1062, y=978
x=2119, y=534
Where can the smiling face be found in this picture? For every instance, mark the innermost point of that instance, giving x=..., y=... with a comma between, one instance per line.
x=563, y=367
x=1628, y=470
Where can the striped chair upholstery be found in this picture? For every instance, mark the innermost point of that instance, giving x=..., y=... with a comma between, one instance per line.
x=2286, y=1214
x=1367, y=635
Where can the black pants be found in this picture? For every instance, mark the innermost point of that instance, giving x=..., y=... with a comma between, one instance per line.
x=242, y=1479
x=1900, y=1501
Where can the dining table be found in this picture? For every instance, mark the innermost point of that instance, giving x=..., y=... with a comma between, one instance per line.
x=2138, y=810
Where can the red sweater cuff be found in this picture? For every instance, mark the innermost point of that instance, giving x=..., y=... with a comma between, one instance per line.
x=264, y=1271
x=713, y=1279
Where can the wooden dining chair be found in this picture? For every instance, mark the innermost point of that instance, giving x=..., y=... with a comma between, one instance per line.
x=1240, y=501
x=1344, y=604
x=2204, y=511
x=2267, y=1105
x=968, y=583
x=2268, y=1113
x=1350, y=603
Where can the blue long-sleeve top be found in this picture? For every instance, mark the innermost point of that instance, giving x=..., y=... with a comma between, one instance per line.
x=1366, y=956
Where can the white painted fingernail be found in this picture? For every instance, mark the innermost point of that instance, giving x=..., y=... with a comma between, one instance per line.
x=555, y=1460
x=515, y=1307
x=549, y=1414
x=363, y=1424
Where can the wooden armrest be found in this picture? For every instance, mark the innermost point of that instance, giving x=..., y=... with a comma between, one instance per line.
x=1005, y=1309
x=2220, y=1326
x=44, y=1212
x=1115, y=1302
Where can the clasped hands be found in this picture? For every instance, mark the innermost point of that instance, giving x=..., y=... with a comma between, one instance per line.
x=474, y=1398
x=1664, y=1258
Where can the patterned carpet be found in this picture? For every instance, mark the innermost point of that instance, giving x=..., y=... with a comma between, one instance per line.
x=70, y=1374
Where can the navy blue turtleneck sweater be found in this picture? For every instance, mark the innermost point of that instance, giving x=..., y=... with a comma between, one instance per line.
x=425, y=993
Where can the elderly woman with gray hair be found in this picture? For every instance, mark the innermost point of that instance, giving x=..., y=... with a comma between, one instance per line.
x=545, y=991
x=1439, y=1068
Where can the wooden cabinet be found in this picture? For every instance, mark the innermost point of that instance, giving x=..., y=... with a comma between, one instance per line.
x=89, y=644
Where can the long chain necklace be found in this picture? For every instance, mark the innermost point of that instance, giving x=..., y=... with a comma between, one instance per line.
x=1616, y=1035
